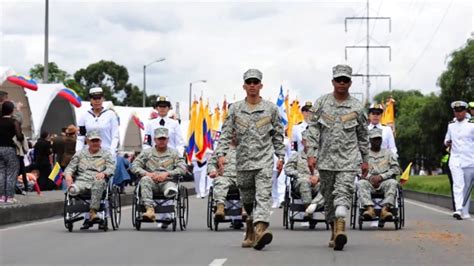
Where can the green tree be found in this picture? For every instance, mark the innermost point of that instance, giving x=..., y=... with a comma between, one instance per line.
x=108, y=75
x=55, y=74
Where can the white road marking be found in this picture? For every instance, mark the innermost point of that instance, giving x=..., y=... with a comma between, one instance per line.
x=218, y=262
x=419, y=204
x=42, y=222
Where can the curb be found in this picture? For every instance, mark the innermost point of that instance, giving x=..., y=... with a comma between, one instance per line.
x=439, y=200
x=30, y=212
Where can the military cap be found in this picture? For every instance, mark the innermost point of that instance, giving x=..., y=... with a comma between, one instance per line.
x=376, y=107
x=162, y=100
x=96, y=91
x=93, y=134
x=161, y=132
x=459, y=104
x=253, y=73
x=342, y=71
x=375, y=133
x=307, y=106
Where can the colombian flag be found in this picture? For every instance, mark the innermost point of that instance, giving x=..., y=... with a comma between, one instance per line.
x=191, y=128
x=56, y=174
x=137, y=121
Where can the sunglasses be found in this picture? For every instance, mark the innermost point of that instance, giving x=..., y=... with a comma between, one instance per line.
x=342, y=79
x=94, y=140
x=97, y=97
x=252, y=81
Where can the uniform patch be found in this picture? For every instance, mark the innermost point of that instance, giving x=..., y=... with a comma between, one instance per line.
x=263, y=122
x=349, y=116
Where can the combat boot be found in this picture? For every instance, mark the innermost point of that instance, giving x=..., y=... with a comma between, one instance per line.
x=340, y=237
x=262, y=235
x=149, y=214
x=249, y=234
x=386, y=214
x=93, y=215
x=220, y=211
x=369, y=213
x=331, y=241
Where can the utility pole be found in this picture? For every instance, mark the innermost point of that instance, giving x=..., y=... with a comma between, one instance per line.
x=46, y=26
x=367, y=47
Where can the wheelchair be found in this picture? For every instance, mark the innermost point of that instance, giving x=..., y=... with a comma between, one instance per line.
x=294, y=209
x=110, y=207
x=233, y=210
x=398, y=211
x=177, y=207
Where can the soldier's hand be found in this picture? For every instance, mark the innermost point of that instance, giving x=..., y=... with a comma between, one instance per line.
x=364, y=167
x=212, y=173
x=220, y=164
x=314, y=180
x=312, y=163
x=69, y=181
x=375, y=180
x=279, y=166
x=100, y=176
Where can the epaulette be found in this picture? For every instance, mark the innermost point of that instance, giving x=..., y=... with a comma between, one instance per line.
x=384, y=125
x=300, y=122
x=452, y=121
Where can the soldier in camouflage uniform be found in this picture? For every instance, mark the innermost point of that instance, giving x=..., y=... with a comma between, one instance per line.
x=259, y=134
x=222, y=182
x=307, y=183
x=338, y=139
x=383, y=167
x=156, y=167
x=90, y=168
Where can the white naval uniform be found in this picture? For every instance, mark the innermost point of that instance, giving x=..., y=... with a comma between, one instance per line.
x=202, y=182
x=175, y=140
x=388, y=140
x=296, y=137
x=106, y=123
x=278, y=182
x=461, y=160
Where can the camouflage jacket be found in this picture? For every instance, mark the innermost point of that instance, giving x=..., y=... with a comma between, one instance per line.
x=383, y=163
x=338, y=134
x=229, y=165
x=259, y=135
x=84, y=166
x=150, y=160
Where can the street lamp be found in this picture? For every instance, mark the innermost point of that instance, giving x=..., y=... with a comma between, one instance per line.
x=144, y=78
x=191, y=92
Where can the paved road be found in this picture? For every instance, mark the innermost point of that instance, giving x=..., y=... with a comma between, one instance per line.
x=430, y=237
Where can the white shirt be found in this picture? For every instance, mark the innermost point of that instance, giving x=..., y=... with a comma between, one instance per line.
x=297, y=137
x=388, y=140
x=175, y=140
x=461, y=135
x=108, y=126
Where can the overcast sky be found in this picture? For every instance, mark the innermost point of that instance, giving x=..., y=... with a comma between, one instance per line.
x=294, y=44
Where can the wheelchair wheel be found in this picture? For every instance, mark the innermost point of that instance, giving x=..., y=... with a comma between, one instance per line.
x=174, y=224
x=292, y=224
x=210, y=207
x=65, y=216
x=69, y=226
x=361, y=221
x=105, y=223
x=216, y=225
x=286, y=208
x=115, y=207
x=401, y=206
x=354, y=211
x=183, y=205
x=135, y=212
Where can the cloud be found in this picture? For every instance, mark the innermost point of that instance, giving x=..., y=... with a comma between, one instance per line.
x=295, y=44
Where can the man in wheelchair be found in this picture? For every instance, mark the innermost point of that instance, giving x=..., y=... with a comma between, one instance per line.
x=383, y=167
x=88, y=172
x=157, y=167
x=306, y=183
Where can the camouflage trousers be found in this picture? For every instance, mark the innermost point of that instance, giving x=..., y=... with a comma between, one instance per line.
x=389, y=188
x=221, y=185
x=255, y=186
x=307, y=191
x=337, y=188
x=148, y=187
x=96, y=188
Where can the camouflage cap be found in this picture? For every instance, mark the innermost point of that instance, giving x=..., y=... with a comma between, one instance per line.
x=96, y=91
x=161, y=132
x=93, y=134
x=375, y=133
x=253, y=73
x=342, y=71
x=459, y=104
